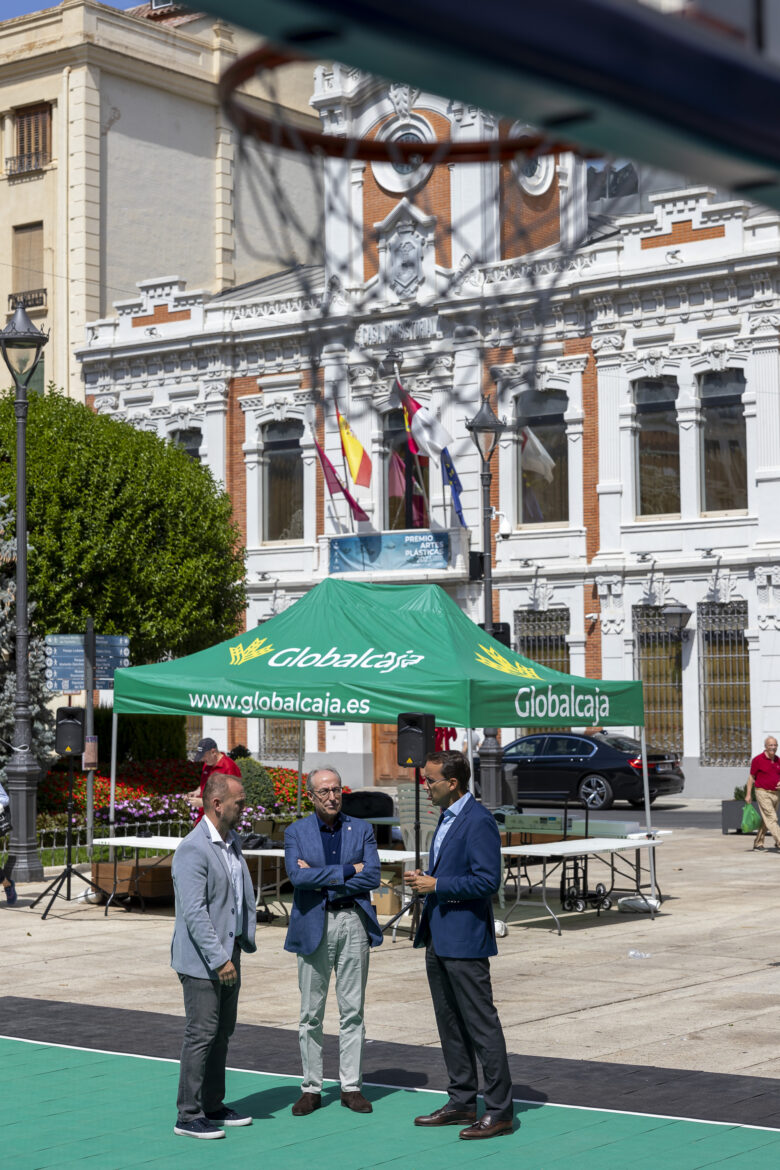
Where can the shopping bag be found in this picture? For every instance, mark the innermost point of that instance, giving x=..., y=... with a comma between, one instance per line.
x=751, y=818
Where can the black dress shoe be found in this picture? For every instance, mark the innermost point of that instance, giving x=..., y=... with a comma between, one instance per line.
x=447, y=1115
x=306, y=1103
x=355, y=1101
x=488, y=1126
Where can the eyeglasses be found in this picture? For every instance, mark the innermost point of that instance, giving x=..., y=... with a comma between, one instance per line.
x=433, y=779
x=327, y=791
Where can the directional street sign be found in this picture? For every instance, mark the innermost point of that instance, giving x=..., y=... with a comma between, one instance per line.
x=65, y=660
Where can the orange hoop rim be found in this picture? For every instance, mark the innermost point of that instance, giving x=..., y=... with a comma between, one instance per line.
x=284, y=134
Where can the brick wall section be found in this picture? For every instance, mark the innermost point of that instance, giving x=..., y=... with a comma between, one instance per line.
x=528, y=222
x=161, y=315
x=683, y=232
x=590, y=477
x=431, y=199
x=235, y=482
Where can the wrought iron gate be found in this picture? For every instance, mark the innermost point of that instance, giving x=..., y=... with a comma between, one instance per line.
x=540, y=634
x=724, y=684
x=658, y=663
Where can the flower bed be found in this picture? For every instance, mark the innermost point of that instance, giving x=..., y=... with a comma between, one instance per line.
x=153, y=790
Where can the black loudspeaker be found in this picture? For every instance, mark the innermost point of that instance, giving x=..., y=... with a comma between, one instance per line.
x=501, y=633
x=69, y=740
x=416, y=738
x=476, y=566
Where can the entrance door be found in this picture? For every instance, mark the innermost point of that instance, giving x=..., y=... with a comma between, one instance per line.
x=384, y=744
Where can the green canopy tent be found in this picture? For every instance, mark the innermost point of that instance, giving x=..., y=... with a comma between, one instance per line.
x=363, y=652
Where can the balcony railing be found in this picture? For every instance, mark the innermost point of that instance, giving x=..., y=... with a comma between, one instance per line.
x=22, y=164
x=33, y=298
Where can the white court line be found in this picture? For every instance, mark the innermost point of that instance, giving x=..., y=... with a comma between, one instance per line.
x=409, y=1089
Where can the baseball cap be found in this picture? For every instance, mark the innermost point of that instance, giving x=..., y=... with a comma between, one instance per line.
x=205, y=745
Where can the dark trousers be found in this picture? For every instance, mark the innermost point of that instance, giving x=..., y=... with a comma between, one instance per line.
x=469, y=1028
x=210, y=1010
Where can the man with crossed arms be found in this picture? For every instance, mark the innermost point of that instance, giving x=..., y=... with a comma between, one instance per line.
x=333, y=864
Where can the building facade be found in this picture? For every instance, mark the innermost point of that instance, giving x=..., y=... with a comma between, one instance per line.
x=625, y=324
x=116, y=161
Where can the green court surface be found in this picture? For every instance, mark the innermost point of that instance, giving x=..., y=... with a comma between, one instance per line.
x=66, y=1108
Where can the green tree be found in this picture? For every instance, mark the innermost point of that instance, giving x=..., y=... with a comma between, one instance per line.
x=125, y=527
x=42, y=717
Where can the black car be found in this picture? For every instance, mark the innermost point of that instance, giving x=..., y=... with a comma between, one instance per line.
x=595, y=770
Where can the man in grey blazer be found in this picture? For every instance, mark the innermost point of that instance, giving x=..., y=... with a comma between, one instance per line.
x=215, y=922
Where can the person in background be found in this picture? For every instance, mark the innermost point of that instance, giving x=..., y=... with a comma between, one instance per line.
x=5, y=871
x=765, y=778
x=213, y=760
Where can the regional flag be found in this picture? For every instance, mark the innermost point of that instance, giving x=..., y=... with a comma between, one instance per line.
x=358, y=461
x=427, y=432
x=451, y=477
x=335, y=486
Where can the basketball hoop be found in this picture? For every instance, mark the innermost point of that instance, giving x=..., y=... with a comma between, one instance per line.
x=276, y=132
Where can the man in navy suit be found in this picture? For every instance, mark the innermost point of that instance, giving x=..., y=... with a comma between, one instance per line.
x=458, y=932
x=333, y=864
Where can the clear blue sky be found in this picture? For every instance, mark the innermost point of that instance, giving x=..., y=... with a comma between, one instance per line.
x=9, y=8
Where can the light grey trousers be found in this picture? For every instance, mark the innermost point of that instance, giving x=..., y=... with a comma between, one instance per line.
x=344, y=949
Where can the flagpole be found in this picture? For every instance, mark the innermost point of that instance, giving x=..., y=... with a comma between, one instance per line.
x=416, y=457
x=343, y=460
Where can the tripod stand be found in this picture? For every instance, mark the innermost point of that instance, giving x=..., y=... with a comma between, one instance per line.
x=415, y=902
x=63, y=879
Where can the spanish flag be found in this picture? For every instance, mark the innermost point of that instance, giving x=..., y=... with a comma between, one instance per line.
x=358, y=462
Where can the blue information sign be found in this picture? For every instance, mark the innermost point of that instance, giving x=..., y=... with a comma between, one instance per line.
x=65, y=670
x=390, y=550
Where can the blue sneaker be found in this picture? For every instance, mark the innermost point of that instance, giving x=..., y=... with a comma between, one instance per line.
x=11, y=895
x=228, y=1116
x=199, y=1128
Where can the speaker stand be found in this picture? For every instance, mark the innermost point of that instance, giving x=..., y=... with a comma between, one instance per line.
x=415, y=902
x=63, y=879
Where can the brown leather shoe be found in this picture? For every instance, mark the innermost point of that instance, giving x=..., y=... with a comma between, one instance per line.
x=356, y=1102
x=488, y=1126
x=447, y=1115
x=306, y=1103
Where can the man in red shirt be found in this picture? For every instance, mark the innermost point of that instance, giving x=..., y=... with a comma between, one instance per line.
x=213, y=761
x=765, y=777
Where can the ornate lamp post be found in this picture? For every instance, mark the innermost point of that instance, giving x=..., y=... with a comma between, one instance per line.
x=485, y=429
x=21, y=345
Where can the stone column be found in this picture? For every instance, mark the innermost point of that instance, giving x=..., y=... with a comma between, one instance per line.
x=689, y=427
x=612, y=389
x=763, y=430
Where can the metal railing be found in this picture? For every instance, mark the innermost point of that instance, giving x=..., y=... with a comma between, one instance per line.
x=21, y=164
x=34, y=298
x=51, y=842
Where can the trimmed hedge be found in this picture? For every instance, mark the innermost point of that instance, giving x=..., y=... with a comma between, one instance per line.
x=142, y=737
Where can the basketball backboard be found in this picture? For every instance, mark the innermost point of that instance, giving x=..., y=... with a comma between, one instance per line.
x=615, y=76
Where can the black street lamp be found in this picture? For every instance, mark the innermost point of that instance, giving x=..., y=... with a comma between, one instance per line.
x=485, y=429
x=21, y=345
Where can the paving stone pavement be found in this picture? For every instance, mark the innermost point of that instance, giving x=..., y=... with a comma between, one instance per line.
x=702, y=1001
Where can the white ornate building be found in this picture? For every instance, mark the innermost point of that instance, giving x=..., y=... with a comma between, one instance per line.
x=629, y=323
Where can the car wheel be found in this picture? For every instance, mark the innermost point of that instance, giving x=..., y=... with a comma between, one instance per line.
x=596, y=793
x=641, y=803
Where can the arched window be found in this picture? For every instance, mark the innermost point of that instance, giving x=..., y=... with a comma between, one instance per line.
x=723, y=446
x=406, y=478
x=543, y=472
x=283, y=481
x=657, y=447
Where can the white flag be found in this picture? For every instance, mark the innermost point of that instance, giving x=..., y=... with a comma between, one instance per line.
x=534, y=457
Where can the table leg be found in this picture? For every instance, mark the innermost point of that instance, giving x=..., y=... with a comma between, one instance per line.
x=546, y=904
